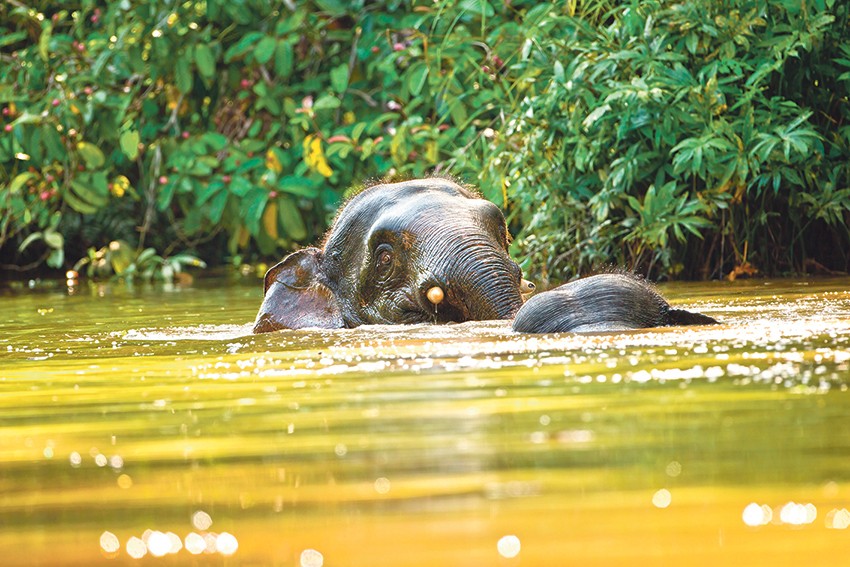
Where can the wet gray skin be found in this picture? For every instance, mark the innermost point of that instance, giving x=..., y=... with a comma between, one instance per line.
x=429, y=250
x=387, y=248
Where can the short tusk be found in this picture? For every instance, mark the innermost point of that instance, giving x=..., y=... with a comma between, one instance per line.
x=526, y=286
x=435, y=295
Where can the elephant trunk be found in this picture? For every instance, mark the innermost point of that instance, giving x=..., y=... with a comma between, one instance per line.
x=480, y=281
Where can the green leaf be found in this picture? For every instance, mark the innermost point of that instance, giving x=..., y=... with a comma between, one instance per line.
x=290, y=218
x=20, y=180
x=77, y=203
x=183, y=73
x=205, y=60
x=11, y=38
x=56, y=258
x=216, y=141
x=265, y=50
x=54, y=239
x=166, y=193
x=283, y=59
x=217, y=206
x=334, y=8
x=253, y=206
x=129, y=142
x=327, y=102
x=480, y=8
x=242, y=47
x=416, y=78
x=91, y=154
x=44, y=41
x=339, y=78
x=297, y=185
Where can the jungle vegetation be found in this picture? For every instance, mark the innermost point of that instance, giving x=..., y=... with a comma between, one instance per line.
x=681, y=139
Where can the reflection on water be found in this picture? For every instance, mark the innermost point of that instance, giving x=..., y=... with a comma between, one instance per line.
x=150, y=425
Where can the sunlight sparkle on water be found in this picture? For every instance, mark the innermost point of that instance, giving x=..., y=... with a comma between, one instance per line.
x=662, y=498
x=838, y=519
x=158, y=543
x=509, y=546
x=136, y=548
x=226, y=544
x=109, y=542
x=312, y=558
x=757, y=515
x=201, y=520
x=195, y=543
x=797, y=514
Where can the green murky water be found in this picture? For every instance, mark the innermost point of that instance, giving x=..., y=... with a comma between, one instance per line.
x=149, y=427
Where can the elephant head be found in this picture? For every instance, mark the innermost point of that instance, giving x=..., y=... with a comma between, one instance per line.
x=426, y=250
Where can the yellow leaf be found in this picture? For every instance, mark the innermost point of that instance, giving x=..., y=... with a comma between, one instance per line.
x=270, y=219
x=273, y=162
x=314, y=156
x=244, y=237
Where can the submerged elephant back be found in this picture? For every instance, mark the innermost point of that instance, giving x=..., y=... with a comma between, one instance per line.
x=605, y=302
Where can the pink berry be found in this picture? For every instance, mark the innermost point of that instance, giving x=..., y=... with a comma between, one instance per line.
x=49, y=178
x=88, y=90
x=44, y=195
x=6, y=111
x=185, y=135
x=8, y=127
x=81, y=47
x=163, y=179
x=55, y=102
x=398, y=47
x=272, y=194
x=245, y=83
x=225, y=178
x=375, y=49
x=95, y=18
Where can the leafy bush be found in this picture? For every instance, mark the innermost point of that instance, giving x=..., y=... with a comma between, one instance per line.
x=668, y=123
x=243, y=118
x=678, y=138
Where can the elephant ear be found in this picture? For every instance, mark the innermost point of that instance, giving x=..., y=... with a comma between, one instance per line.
x=295, y=297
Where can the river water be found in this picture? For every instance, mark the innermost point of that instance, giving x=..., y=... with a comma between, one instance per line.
x=147, y=426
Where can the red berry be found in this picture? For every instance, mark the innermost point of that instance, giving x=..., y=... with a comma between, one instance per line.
x=163, y=179
x=56, y=102
x=225, y=178
x=245, y=83
x=95, y=18
x=398, y=47
x=375, y=49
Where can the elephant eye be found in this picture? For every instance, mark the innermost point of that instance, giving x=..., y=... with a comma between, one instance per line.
x=384, y=259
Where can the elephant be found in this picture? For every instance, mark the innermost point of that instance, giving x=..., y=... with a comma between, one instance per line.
x=434, y=251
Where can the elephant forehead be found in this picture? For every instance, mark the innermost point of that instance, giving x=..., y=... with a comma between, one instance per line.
x=403, y=207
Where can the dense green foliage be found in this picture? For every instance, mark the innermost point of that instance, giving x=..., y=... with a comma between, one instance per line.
x=697, y=136
x=676, y=138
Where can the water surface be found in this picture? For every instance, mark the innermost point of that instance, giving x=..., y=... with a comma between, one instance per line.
x=150, y=422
